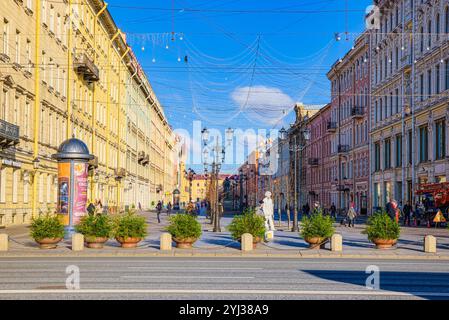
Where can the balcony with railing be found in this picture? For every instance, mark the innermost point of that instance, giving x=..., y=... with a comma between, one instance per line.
x=313, y=162
x=343, y=148
x=357, y=112
x=85, y=66
x=9, y=134
x=331, y=126
x=140, y=156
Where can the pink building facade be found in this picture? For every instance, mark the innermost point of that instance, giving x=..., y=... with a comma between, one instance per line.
x=317, y=163
x=349, y=160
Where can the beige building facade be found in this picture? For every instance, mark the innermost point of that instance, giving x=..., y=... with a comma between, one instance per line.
x=409, y=108
x=66, y=69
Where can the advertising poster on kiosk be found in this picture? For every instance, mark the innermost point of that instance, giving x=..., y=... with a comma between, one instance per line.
x=80, y=191
x=64, y=192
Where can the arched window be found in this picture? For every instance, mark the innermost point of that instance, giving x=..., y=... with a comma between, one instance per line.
x=429, y=33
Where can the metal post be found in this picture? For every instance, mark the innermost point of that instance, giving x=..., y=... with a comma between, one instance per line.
x=295, y=209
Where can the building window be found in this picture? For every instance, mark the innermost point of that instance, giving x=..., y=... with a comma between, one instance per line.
x=410, y=147
x=446, y=74
x=387, y=154
x=446, y=20
x=437, y=79
x=437, y=27
x=429, y=83
x=15, y=185
x=423, y=144
x=3, y=185
x=6, y=37
x=440, y=139
x=377, y=157
x=398, y=151
x=421, y=89
x=17, y=47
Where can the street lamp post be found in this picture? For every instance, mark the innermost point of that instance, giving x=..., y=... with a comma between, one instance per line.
x=216, y=167
x=190, y=175
x=298, y=148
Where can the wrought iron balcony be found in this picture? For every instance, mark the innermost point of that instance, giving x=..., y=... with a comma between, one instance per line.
x=9, y=134
x=313, y=161
x=120, y=173
x=93, y=164
x=140, y=156
x=343, y=148
x=358, y=112
x=146, y=160
x=85, y=66
x=342, y=187
x=331, y=126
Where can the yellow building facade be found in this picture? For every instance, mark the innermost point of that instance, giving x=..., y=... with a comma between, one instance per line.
x=66, y=70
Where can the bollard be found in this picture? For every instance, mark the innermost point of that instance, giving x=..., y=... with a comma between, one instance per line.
x=247, y=242
x=77, y=242
x=165, y=242
x=4, y=242
x=430, y=244
x=337, y=243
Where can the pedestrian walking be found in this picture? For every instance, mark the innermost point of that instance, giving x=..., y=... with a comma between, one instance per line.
x=158, y=210
x=352, y=214
x=407, y=210
x=333, y=211
x=169, y=208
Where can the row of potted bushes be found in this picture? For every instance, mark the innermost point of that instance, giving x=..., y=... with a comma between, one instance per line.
x=318, y=228
x=130, y=228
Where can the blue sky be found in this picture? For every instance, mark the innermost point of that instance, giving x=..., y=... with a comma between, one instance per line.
x=248, y=61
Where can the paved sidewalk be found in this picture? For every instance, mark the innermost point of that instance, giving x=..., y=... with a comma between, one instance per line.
x=285, y=244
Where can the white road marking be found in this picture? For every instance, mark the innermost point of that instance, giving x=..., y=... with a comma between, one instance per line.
x=182, y=277
x=191, y=268
x=238, y=292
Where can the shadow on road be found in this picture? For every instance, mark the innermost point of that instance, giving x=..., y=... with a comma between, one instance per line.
x=415, y=283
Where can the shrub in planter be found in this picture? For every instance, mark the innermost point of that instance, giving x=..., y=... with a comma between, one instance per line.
x=317, y=228
x=96, y=228
x=185, y=230
x=250, y=223
x=47, y=231
x=129, y=229
x=382, y=230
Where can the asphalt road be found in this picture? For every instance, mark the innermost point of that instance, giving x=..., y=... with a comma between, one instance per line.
x=239, y=278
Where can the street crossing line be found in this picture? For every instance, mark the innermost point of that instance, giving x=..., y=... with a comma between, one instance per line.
x=236, y=292
x=182, y=277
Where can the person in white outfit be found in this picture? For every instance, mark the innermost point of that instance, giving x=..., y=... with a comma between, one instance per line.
x=268, y=211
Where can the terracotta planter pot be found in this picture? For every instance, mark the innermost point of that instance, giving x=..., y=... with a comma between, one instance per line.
x=256, y=240
x=48, y=243
x=185, y=243
x=384, y=243
x=128, y=242
x=96, y=242
x=315, y=242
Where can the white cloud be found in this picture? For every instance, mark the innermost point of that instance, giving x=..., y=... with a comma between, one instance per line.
x=263, y=104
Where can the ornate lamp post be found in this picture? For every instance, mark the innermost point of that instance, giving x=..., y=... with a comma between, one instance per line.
x=299, y=148
x=216, y=167
x=190, y=175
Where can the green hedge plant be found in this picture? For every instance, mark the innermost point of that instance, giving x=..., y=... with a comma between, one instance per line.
x=47, y=227
x=129, y=225
x=317, y=226
x=95, y=226
x=184, y=226
x=381, y=226
x=248, y=222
